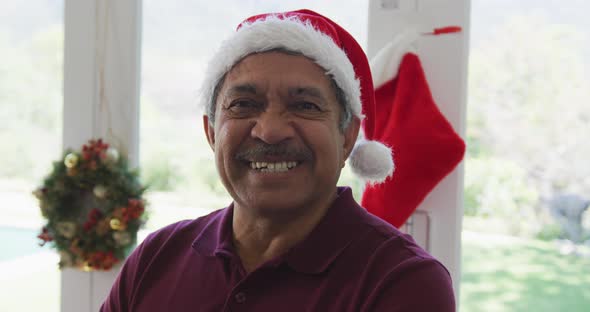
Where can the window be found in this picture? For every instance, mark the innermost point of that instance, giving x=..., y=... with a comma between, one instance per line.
x=526, y=230
x=31, y=50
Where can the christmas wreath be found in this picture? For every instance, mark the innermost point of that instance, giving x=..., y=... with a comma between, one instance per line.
x=93, y=205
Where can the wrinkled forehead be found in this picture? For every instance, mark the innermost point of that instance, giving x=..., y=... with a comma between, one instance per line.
x=278, y=61
x=292, y=69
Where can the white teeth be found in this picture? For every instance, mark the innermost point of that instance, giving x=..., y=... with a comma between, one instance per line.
x=273, y=167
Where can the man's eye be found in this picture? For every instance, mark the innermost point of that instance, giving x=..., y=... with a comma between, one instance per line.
x=243, y=108
x=240, y=105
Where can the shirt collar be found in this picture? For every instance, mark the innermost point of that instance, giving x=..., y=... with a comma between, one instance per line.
x=216, y=237
x=313, y=255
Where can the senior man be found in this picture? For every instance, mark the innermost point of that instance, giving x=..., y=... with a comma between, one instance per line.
x=284, y=99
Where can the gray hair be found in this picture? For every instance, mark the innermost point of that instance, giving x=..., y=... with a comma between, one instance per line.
x=346, y=112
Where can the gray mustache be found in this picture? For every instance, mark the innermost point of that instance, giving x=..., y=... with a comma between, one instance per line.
x=261, y=149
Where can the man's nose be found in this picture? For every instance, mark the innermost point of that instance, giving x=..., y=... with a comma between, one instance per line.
x=273, y=127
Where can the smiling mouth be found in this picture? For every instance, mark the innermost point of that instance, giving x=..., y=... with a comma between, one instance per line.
x=281, y=166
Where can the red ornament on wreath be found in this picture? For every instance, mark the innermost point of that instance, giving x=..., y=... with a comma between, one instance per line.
x=94, y=207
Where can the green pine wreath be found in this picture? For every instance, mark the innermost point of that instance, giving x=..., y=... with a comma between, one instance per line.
x=94, y=207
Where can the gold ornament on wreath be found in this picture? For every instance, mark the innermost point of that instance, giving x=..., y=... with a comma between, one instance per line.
x=94, y=207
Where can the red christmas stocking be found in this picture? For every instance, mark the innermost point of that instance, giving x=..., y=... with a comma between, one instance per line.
x=425, y=146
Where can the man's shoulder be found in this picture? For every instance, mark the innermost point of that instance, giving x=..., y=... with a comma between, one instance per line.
x=391, y=245
x=171, y=242
x=368, y=234
x=398, y=271
x=182, y=231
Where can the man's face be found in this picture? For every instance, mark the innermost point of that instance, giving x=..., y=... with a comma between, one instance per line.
x=277, y=143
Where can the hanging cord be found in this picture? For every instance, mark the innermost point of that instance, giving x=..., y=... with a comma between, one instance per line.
x=444, y=30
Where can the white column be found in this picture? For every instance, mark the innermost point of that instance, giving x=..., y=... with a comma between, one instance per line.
x=101, y=100
x=444, y=59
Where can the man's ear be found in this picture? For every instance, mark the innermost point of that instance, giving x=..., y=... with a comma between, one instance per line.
x=209, y=131
x=350, y=135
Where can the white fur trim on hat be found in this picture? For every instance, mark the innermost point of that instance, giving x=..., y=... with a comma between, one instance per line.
x=288, y=33
x=385, y=64
x=372, y=161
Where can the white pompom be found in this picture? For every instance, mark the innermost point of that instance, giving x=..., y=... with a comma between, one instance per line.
x=372, y=161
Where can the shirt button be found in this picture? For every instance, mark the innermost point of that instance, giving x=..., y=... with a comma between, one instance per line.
x=240, y=297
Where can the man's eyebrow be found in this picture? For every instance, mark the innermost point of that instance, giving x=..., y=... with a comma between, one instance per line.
x=247, y=88
x=306, y=91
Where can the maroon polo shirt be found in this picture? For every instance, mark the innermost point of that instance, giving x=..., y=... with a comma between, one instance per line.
x=351, y=261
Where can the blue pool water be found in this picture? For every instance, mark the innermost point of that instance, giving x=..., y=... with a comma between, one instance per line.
x=18, y=242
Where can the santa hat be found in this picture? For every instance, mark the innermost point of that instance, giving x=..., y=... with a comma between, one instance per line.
x=329, y=46
x=425, y=144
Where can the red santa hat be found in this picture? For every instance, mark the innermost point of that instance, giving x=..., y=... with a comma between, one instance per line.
x=329, y=46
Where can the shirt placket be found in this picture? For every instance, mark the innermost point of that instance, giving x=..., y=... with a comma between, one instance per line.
x=237, y=298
